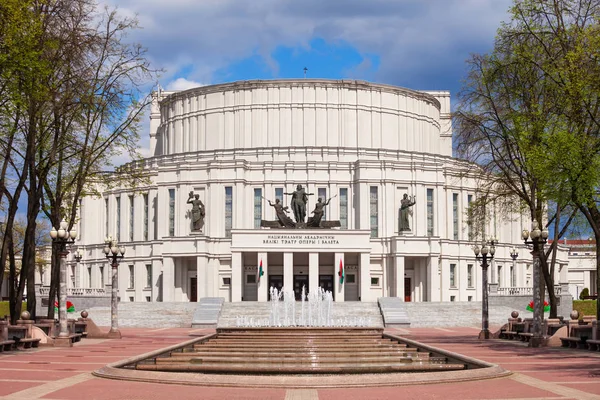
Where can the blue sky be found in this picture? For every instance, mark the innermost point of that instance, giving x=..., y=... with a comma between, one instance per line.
x=419, y=44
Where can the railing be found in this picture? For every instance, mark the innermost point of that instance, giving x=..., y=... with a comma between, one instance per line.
x=523, y=291
x=74, y=292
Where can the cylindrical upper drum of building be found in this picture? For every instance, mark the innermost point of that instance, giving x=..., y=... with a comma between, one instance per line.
x=302, y=113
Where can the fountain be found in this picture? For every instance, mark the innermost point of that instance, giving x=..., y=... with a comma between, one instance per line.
x=303, y=347
x=316, y=310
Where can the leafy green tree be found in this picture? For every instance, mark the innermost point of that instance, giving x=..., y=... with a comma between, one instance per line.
x=568, y=34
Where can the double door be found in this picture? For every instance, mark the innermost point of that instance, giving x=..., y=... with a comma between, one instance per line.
x=300, y=281
x=275, y=281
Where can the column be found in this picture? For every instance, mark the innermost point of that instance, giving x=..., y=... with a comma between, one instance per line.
x=433, y=280
x=365, y=277
x=288, y=271
x=201, y=276
x=236, y=277
x=313, y=271
x=399, y=272
x=337, y=286
x=168, y=283
x=156, y=284
x=263, y=284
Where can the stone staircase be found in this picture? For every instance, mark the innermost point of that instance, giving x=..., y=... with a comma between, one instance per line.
x=165, y=315
x=257, y=351
x=393, y=311
x=259, y=311
x=147, y=315
x=207, y=312
x=454, y=314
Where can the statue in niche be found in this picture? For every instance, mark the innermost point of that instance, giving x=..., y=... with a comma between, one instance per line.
x=281, y=213
x=315, y=220
x=298, y=203
x=198, y=212
x=405, y=211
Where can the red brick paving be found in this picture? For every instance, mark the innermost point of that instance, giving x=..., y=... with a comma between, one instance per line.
x=545, y=373
x=9, y=387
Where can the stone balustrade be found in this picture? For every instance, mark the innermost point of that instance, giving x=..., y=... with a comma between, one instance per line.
x=75, y=292
x=518, y=291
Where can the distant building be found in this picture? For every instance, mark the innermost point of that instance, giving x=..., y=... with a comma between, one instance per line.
x=582, y=271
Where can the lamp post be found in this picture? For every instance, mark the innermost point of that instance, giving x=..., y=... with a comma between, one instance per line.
x=484, y=254
x=60, y=239
x=514, y=253
x=114, y=253
x=537, y=238
x=77, y=256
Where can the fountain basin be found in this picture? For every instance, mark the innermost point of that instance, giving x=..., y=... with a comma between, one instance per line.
x=300, y=357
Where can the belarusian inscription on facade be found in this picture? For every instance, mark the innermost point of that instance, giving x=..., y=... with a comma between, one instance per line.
x=291, y=240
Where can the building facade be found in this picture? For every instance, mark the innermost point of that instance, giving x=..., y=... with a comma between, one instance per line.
x=237, y=145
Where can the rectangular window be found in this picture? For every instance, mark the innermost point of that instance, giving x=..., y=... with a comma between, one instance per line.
x=171, y=212
x=226, y=281
x=344, y=208
x=131, y=277
x=101, y=276
x=131, y=214
x=148, y=275
x=452, y=275
x=373, y=212
x=118, y=218
x=513, y=280
x=470, y=275
x=429, y=212
x=228, y=210
x=470, y=220
x=279, y=194
x=146, y=216
x=500, y=275
x=374, y=281
x=350, y=278
x=251, y=278
x=257, y=207
x=322, y=194
x=455, y=215
x=470, y=298
x=89, y=270
x=106, y=213
x=452, y=298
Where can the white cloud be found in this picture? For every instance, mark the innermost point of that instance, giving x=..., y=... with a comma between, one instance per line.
x=182, y=84
x=420, y=44
x=411, y=37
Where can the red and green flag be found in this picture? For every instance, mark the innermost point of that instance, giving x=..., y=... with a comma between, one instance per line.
x=70, y=307
x=341, y=273
x=530, y=306
x=260, y=271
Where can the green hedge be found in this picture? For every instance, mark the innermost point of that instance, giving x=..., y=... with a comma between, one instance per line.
x=5, y=308
x=585, y=307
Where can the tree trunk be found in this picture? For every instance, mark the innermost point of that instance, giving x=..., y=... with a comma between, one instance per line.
x=597, y=279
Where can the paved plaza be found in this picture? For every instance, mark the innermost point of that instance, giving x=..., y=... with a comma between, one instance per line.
x=65, y=373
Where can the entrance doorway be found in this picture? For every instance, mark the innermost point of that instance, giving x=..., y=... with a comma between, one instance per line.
x=194, y=289
x=275, y=281
x=407, y=290
x=299, y=282
x=326, y=282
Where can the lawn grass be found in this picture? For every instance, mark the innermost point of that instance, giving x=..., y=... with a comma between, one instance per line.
x=5, y=309
x=585, y=307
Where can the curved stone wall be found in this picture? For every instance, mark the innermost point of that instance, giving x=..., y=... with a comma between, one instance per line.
x=299, y=113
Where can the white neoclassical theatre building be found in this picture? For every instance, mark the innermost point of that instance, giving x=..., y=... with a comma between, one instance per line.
x=239, y=144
